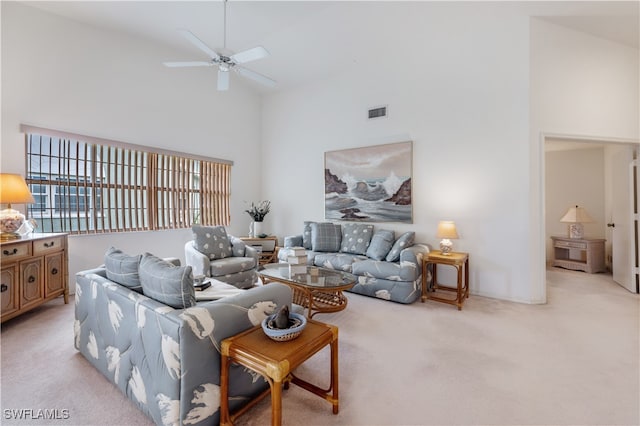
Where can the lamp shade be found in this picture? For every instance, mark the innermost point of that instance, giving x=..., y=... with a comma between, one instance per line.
x=447, y=229
x=576, y=215
x=13, y=189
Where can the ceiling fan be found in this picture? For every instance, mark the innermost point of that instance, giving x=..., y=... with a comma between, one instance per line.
x=224, y=61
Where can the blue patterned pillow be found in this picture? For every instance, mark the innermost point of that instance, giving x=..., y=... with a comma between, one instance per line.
x=405, y=240
x=325, y=237
x=306, y=235
x=356, y=238
x=381, y=243
x=167, y=283
x=212, y=241
x=122, y=268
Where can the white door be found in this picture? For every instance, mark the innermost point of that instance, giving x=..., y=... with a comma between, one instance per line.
x=621, y=228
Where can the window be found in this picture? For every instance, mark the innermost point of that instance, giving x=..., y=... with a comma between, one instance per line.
x=86, y=185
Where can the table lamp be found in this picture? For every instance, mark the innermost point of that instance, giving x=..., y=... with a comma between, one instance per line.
x=446, y=231
x=13, y=189
x=576, y=216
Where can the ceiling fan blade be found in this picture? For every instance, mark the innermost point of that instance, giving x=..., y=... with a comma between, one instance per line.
x=223, y=80
x=252, y=54
x=199, y=43
x=187, y=64
x=255, y=76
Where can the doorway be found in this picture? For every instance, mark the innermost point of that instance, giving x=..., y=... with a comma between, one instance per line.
x=599, y=175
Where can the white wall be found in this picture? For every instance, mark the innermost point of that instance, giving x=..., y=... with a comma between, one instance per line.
x=574, y=177
x=456, y=83
x=60, y=74
x=580, y=86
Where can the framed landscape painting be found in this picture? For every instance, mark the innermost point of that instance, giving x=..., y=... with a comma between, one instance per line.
x=370, y=184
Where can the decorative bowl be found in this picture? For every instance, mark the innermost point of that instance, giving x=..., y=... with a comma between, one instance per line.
x=297, y=323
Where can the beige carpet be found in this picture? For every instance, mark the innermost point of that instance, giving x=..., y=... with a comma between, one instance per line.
x=573, y=361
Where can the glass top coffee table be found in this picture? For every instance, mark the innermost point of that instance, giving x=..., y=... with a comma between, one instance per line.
x=319, y=290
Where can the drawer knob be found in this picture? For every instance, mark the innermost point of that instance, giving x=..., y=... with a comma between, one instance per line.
x=49, y=245
x=31, y=279
x=54, y=271
x=10, y=253
x=3, y=288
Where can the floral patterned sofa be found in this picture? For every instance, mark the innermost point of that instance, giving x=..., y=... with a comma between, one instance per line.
x=137, y=322
x=386, y=267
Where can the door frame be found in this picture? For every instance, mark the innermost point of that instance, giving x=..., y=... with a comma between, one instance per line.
x=539, y=255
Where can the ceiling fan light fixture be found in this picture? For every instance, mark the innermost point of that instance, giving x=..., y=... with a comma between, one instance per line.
x=225, y=60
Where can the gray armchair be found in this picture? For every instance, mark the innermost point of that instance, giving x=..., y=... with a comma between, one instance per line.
x=224, y=257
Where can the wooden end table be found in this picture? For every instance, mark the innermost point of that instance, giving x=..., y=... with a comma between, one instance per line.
x=579, y=254
x=458, y=260
x=268, y=250
x=276, y=361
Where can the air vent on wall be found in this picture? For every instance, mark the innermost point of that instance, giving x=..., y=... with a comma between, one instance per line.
x=378, y=112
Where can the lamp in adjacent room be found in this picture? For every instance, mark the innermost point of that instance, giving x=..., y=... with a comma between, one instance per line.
x=13, y=190
x=575, y=217
x=446, y=231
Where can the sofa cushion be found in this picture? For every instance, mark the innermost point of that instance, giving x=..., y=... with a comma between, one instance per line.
x=306, y=235
x=325, y=237
x=381, y=244
x=391, y=271
x=232, y=265
x=337, y=261
x=167, y=283
x=405, y=240
x=212, y=241
x=356, y=238
x=123, y=269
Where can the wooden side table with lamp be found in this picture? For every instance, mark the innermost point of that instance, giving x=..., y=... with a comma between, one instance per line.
x=576, y=252
x=444, y=256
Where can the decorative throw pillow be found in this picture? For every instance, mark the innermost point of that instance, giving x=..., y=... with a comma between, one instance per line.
x=405, y=240
x=122, y=268
x=356, y=238
x=167, y=283
x=212, y=241
x=306, y=235
x=325, y=237
x=381, y=243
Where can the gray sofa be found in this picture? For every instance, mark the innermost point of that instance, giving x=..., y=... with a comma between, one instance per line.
x=386, y=267
x=167, y=360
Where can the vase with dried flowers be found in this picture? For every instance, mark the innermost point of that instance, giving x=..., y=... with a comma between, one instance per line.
x=258, y=212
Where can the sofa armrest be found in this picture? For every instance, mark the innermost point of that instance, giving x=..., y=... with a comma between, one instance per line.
x=252, y=252
x=411, y=261
x=199, y=262
x=414, y=253
x=293, y=241
x=205, y=326
x=101, y=271
x=241, y=249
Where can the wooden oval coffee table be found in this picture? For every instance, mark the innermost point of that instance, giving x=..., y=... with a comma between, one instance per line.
x=319, y=290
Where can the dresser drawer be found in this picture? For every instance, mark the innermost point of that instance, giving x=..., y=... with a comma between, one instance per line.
x=48, y=245
x=11, y=252
x=571, y=245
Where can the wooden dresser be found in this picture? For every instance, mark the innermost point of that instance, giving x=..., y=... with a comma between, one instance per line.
x=34, y=270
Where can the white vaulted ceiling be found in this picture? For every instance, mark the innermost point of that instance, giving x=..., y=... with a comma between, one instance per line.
x=310, y=40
